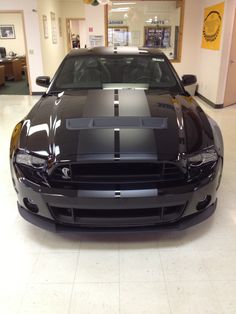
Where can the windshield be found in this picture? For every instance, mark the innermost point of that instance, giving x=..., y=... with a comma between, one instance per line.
x=106, y=72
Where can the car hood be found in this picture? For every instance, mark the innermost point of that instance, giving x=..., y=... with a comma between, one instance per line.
x=115, y=124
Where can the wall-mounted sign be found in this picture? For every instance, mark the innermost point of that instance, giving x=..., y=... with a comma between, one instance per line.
x=90, y=29
x=116, y=22
x=157, y=22
x=59, y=26
x=45, y=26
x=160, y=22
x=212, y=27
x=53, y=27
x=95, y=40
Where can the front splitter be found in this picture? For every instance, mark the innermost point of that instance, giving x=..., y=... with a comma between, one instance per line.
x=53, y=226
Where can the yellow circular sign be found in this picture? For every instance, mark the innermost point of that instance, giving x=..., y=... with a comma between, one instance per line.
x=212, y=25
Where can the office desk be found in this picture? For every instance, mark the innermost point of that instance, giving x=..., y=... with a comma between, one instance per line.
x=13, y=68
x=2, y=75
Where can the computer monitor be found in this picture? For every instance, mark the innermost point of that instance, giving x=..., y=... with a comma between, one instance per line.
x=2, y=52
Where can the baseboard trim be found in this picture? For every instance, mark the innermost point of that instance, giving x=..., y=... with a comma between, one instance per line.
x=37, y=93
x=212, y=104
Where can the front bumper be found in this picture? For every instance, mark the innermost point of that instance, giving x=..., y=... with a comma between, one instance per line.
x=140, y=203
x=46, y=198
x=52, y=226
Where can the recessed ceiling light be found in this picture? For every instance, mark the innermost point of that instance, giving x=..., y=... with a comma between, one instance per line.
x=122, y=3
x=120, y=10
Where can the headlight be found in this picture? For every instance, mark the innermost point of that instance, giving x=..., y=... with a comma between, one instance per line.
x=206, y=156
x=29, y=160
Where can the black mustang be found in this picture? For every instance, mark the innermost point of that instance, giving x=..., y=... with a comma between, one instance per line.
x=116, y=142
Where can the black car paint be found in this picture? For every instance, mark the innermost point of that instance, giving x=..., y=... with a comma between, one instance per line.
x=44, y=132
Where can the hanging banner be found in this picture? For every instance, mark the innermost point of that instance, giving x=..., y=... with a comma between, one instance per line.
x=212, y=26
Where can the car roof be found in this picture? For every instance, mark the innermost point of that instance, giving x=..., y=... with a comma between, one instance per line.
x=114, y=51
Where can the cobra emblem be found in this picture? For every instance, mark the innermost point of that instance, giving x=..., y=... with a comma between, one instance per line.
x=66, y=173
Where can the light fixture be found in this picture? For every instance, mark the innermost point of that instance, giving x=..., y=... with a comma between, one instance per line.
x=120, y=10
x=122, y=3
x=103, y=2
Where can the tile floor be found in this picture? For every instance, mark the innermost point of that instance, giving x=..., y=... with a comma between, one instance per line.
x=179, y=272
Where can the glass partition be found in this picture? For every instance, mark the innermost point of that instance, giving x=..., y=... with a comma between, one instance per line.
x=153, y=24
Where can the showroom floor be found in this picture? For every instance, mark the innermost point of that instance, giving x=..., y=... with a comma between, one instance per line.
x=192, y=271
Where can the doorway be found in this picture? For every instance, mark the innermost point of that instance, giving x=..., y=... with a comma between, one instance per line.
x=230, y=91
x=14, y=70
x=76, y=33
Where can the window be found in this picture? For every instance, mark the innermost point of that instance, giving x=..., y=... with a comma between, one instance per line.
x=116, y=71
x=156, y=24
x=118, y=36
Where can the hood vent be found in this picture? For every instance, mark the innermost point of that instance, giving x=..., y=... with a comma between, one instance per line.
x=117, y=122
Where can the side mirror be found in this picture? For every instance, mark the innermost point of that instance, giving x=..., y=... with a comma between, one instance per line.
x=43, y=81
x=189, y=79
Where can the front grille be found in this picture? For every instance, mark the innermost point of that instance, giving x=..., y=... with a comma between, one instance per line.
x=114, y=173
x=117, y=217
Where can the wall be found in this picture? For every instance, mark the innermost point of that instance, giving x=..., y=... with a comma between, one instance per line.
x=209, y=62
x=210, y=66
x=32, y=35
x=71, y=9
x=94, y=17
x=191, y=38
x=18, y=44
x=52, y=53
x=226, y=46
x=74, y=26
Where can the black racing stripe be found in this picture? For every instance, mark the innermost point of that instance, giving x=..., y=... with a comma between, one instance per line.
x=116, y=110
x=116, y=103
x=99, y=104
x=116, y=131
x=133, y=103
x=95, y=142
x=117, y=144
x=139, y=142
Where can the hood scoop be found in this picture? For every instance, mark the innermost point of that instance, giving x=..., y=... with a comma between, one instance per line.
x=117, y=123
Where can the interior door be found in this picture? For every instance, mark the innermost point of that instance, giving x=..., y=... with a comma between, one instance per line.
x=230, y=92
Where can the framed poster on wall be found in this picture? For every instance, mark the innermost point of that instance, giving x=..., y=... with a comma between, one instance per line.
x=59, y=27
x=45, y=26
x=53, y=27
x=7, y=32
